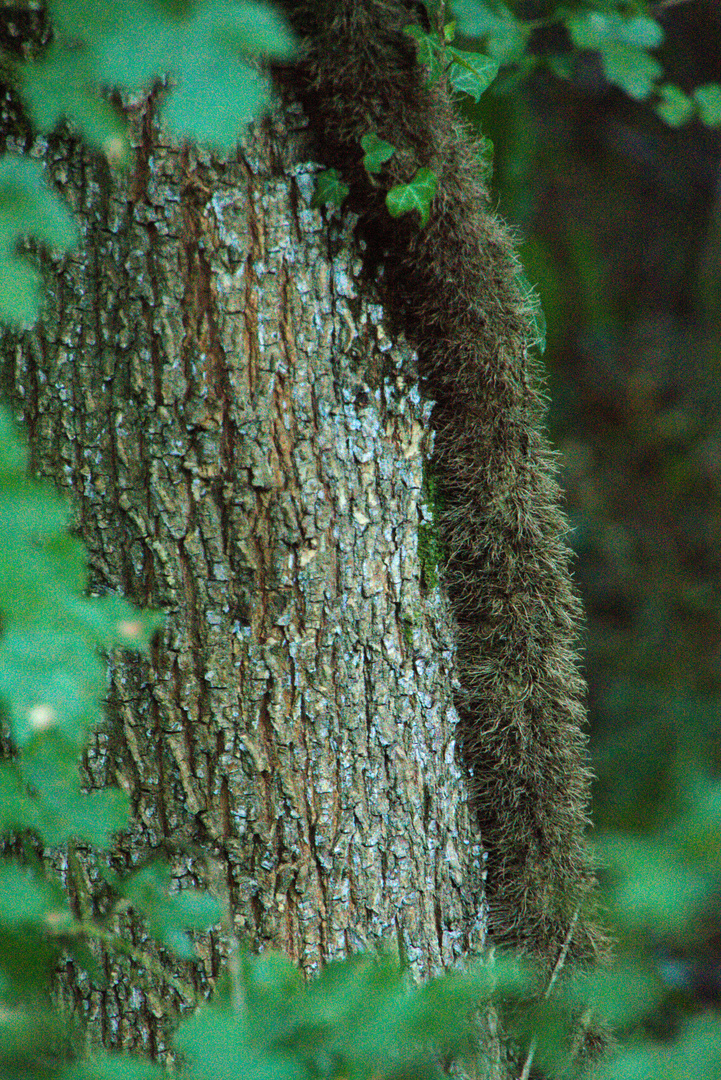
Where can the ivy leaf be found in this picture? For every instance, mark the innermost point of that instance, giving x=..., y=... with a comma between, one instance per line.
x=25, y=897
x=675, y=107
x=471, y=73
x=49, y=681
x=708, y=100
x=506, y=36
x=28, y=207
x=376, y=152
x=429, y=51
x=631, y=69
x=209, y=53
x=329, y=189
x=148, y=890
x=18, y=810
x=417, y=195
x=600, y=30
x=64, y=83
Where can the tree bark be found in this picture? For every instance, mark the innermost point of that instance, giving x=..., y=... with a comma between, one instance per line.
x=214, y=385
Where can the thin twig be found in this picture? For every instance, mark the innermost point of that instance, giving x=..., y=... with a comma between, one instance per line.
x=526, y=1071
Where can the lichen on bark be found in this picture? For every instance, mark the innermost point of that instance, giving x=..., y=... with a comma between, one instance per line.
x=214, y=385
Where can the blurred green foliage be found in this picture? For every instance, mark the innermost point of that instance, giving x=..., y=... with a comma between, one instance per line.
x=622, y=35
x=28, y=206
x=207, y=51
x=207, y=56
x=52, y=683
x=360, y=1018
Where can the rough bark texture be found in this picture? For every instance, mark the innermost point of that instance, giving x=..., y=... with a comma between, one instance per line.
x=244, y=445
x=454, y=287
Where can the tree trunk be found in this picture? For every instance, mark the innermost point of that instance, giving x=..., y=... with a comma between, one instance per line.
x=243, y=440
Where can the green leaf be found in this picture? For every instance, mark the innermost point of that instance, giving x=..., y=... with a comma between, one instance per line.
x=220, y=1046
x=18, y=809
x=471, y=73
x=90, y=22
x=113, y=1067
x=64, y=83
x=417, y=195
x=13, y=454
x=28, y=208
x=652, y=887
x=148, y=890
x=708, y=100
x=209, y=50
x=329, y=189
x=602, y=30
x=633, y=70
x=100, y=816
x=50, y=680
x=376, y=152
x=622, y=42
x=623, y=995
x=209, y=107
x=26, y=197
x=63, y=812
x=111, y=621
x=675, y=107
x=20, y=291
x=506, y=36
x=430, y=51
x=26, y=897
x=270, y=980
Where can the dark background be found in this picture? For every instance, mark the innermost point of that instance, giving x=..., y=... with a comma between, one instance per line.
x=620, y=221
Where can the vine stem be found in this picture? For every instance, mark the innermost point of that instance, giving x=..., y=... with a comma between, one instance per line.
x=526, y=1071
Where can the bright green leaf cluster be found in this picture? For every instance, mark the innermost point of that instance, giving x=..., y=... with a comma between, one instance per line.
x=506, y=36
x=208, y=55
x=622, y=43
x=207, y=50
x=614, y=30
